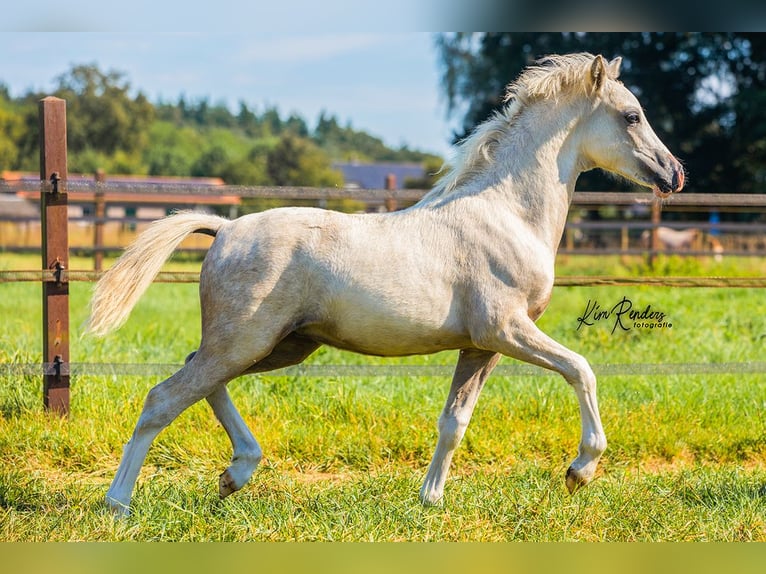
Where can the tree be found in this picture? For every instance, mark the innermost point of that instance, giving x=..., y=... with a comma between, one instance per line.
x=101, y=114
x=212, y=163
x=172, y=150
x=697, y=90
x=112, y=129
x=351, y=144
x=296, y=161
x=11, y=130
x=251, y=169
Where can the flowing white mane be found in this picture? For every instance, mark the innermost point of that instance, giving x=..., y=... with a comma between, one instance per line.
x=547, y=79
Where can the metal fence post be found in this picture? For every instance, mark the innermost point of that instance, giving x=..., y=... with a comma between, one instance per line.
x=55, y=253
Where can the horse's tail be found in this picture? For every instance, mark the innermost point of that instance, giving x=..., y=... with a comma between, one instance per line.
x=121, y=287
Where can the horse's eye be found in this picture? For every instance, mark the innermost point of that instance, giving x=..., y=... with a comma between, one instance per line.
x=632, y=117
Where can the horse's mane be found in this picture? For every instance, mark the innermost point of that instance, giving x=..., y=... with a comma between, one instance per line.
x=547, y=78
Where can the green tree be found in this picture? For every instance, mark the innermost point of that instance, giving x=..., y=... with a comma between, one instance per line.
x=212, y=162
x=344, y=142
x=109, y=128
x=101, y=113
x=11, y=131
x=251, y=169
x=248, y=121
x=172, y=149
x=297, y=161
x=697, y=89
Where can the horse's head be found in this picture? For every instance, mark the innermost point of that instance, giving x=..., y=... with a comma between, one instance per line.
x=618, y=137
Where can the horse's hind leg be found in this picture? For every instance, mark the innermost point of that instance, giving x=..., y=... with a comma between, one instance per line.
x=247, y=452
x=163, y=404
x=523, y=340
x=473, y=368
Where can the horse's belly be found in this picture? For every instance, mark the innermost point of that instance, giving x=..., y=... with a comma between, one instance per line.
x=385, y=331
x=381, y=345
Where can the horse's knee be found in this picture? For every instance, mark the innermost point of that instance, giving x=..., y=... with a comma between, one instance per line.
x=579, y=373
x=451, y=430
x=159, y=409
x=248, y=455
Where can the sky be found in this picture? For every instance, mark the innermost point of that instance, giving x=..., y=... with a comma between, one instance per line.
x=386, y=84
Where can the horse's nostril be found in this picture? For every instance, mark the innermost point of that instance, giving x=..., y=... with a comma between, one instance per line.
x=678, y=174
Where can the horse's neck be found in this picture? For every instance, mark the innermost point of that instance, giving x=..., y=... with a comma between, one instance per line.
x=539, y=165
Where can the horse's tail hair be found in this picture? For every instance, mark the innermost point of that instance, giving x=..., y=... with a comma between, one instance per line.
x=120, y=288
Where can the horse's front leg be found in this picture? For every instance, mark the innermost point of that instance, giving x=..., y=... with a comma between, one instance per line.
x=522, y=339
x=473, y=368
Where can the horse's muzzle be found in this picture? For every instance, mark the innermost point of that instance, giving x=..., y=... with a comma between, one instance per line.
x=679, y=177
x=671, y=183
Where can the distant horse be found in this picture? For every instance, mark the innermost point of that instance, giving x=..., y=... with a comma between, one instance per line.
x=672, y=239
x=683, y=240
x=470, y=267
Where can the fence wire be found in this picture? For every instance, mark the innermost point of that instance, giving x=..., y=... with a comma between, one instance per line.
x=330, y=371
x=52, y=276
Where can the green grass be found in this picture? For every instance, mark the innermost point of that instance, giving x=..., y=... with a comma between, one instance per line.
x=344, y=456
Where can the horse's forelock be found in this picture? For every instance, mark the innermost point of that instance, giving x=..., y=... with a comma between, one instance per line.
x=552, y=76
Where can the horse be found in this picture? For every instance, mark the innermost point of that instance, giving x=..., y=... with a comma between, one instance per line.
x=469, y=268
x=672, y=239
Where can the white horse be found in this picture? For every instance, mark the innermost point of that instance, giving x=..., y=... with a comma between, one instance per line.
x=470, y=267
x=672, y=239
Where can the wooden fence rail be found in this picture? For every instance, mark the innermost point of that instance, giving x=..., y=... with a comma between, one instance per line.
x=610, y=237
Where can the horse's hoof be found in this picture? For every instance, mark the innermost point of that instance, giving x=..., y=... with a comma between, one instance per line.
x=226, y=485
x=117, y=508
x=574, y=480
x=431, y=499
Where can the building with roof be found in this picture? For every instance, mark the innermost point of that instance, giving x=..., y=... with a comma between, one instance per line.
x=380, y=175
x=121, y=197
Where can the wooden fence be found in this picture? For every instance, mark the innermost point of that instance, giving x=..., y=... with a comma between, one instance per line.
x=55, y=275
x=97, y=232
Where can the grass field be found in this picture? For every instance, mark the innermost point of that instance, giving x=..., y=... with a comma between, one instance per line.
x=344, y=456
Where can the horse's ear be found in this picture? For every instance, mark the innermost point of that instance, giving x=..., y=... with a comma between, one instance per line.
x=598, y=74
x=614, y=68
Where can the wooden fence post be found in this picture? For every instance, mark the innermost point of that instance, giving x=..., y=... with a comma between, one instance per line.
x=390, y=201
x=55, y=253
x=99, y=213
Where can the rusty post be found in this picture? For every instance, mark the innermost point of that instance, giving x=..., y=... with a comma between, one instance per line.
x=390, y=201
x=99, y=213
x=55, y=253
